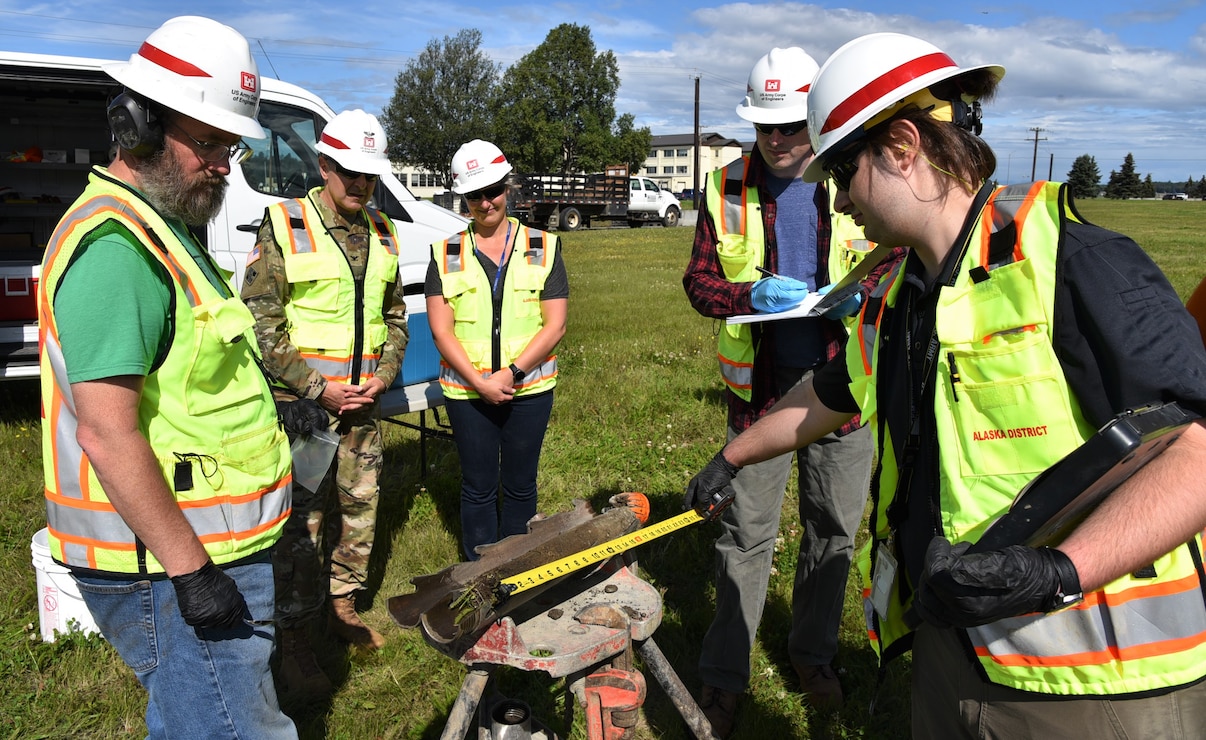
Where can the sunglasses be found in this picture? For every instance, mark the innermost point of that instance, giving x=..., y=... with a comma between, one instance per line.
x=844, y=167
x=350, y=175
x=785, y=129
x=489, y=193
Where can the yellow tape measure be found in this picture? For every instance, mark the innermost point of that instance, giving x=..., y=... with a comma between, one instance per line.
x=552, y=571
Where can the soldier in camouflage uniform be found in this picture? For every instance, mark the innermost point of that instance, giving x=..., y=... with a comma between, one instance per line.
x=302, y=285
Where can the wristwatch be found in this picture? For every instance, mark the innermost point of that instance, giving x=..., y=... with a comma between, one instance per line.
x=1069, y=592
x=517, y=374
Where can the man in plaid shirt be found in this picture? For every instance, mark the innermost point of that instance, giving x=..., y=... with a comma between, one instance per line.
x=759, y=213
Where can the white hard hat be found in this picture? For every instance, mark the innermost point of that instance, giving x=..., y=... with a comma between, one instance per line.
x=777, y=91
x=356, y=141
x=867, y=77
x=198, y=67
x=478, y=164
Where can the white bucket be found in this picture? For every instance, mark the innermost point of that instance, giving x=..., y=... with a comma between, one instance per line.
x=60, y=606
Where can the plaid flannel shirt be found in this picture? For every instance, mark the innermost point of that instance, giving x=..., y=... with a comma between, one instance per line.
x=714, y=296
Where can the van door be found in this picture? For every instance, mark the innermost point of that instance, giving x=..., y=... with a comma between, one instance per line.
x=284, y=165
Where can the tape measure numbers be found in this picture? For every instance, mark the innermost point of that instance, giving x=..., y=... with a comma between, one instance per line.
x=552, y=571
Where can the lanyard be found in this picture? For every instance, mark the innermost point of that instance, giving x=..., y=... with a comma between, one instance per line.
x=502, y=260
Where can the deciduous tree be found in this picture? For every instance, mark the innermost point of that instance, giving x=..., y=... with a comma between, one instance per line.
x=441, y=100
x=555, y=108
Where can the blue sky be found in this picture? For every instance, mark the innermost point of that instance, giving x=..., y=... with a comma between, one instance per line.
x=1098, y=78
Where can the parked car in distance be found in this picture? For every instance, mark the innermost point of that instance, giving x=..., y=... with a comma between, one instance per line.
x=687, y=194
x=1176, y=196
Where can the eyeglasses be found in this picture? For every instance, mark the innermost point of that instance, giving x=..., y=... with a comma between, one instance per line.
x=349, y=174
x=489, y=193
x=785, y=129
x=212, y=151
x=845, y=165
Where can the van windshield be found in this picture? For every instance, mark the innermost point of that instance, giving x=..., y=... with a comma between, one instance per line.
x=286, y=163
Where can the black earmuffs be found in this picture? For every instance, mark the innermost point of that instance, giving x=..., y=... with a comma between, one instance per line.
x=136, y=126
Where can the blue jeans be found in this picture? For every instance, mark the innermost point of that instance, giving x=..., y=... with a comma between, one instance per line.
x=498, y=444
x=201, y=683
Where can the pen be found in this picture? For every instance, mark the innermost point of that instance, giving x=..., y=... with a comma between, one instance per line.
x=768, y=273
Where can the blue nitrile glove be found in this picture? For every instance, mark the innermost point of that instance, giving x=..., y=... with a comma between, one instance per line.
x=772, y=295
x=848, y=307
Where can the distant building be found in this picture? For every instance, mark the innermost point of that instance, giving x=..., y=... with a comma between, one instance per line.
x=671, y=160
x=421, y=183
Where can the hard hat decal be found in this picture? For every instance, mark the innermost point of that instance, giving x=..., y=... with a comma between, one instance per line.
x=500, y=159
x=804, y=89
x=772, y=85
x=370, y=142
x=331, y=141
x=247, y=81
x=471, y=164
x=169, y=62
x=882, y=85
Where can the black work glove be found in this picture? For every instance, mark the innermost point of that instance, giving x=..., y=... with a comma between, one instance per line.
x=962, y=590
x=711, y=491
x=209, y=598
x=302, y=416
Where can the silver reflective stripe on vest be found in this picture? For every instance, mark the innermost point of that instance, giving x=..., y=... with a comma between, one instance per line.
x=543, y=371
x=337, y=369
x=735, y=375
x=868, y=329
x=1005, y=205
x=1091, y=634
x=453, y=258
x=733, y=198
x=383, y=232
x=302, y=244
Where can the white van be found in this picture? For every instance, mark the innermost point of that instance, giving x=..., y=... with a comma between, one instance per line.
x=53, y=129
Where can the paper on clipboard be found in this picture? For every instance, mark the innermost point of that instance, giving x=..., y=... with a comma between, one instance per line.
x=815, y=304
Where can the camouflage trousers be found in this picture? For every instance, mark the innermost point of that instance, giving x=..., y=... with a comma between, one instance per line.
x=328, y=538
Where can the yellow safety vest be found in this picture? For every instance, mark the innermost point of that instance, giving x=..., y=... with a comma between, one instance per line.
x=1005, y=413
x=469, y=294
x=741, y=248
x=206, y=410
x=337, y=333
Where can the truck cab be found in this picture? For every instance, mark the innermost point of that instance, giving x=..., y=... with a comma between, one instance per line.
x=649, y=202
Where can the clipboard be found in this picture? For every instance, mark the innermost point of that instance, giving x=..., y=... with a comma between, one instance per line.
x=815, y=304
x=1059, y=498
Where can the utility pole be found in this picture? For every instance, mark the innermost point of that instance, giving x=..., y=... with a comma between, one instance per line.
x=695, y=167
x=1034, y=160
x=1051, y=167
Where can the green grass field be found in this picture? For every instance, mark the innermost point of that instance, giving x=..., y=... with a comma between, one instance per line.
x=639, y=407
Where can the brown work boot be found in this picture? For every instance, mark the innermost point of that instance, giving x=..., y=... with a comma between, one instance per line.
x=347, y=626
x=720, y=707
x=821, y=685
x=299, y=678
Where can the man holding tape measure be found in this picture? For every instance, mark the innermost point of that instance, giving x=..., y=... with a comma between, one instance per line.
x=1009, y=312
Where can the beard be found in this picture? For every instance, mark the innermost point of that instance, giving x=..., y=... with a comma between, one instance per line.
x=194, y=199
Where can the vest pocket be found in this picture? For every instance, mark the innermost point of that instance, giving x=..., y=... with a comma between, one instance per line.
x=737, y=257
x=222, y=371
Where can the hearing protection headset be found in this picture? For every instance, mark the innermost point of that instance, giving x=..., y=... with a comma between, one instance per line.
x=135, y=124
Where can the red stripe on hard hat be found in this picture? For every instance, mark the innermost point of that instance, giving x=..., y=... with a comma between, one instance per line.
x=333, y=142
x=883, y=85
x=500, y=159
x=169, y=62
x=805, y=88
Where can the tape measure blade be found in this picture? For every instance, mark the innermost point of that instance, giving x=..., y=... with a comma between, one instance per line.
x=599, y=553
